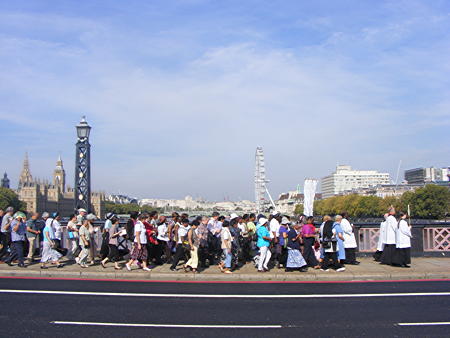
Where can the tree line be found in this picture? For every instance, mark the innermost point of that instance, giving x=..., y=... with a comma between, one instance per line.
x=430, y=202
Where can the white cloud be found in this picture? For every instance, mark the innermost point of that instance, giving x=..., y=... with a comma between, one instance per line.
x=193, y=128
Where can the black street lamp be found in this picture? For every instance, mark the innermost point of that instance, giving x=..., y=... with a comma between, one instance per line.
x=82, y=193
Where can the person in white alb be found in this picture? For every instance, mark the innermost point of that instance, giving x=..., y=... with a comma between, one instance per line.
x=381, y=240
x=349, y=240
x=403, y=243
x=391, y=231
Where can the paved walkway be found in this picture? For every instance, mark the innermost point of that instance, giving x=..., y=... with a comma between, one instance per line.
x=421, y=268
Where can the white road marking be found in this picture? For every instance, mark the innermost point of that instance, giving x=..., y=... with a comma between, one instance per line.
x=172, y=325
x=187, y=295
x=423, y=324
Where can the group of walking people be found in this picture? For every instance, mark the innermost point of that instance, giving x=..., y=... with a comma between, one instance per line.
x=394, y=243
x=193, y=244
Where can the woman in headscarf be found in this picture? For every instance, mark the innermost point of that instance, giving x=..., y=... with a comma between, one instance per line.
x=48, y=251
x=295, y=260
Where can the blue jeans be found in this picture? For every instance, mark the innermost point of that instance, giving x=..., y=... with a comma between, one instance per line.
x=227, y=258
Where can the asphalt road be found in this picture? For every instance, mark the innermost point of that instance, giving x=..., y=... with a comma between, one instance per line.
x=306, y=309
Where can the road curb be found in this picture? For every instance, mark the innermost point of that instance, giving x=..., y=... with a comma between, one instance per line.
x=306, y=277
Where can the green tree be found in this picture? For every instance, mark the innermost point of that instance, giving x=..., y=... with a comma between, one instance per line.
x=298, y=209
x=431, y=201
x=124, y=209
x=9, y=198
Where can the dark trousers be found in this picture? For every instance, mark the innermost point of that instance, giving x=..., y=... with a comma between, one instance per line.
x=104, y=249
x=203, y=255
x=113, y=254
x=308, y=253
x=388, y=254
x=284, y=256
x=326, y=261
x=246, y=249
x=377, y=255
x=16, y=252
x=350, y=256
x=179, y=254
x=162, y=249
x=6, y=241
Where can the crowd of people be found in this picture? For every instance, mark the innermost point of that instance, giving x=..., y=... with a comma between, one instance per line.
x=193, y=244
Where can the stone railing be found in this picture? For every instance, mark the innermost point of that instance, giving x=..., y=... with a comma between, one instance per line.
x=429, y=238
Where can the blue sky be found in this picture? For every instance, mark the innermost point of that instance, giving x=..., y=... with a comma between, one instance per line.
x=180, y=93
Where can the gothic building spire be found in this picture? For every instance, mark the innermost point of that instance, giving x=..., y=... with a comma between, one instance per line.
x=25, y=175
x=59, y=175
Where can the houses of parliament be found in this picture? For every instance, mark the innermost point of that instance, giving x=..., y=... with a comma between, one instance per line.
x=41, y=196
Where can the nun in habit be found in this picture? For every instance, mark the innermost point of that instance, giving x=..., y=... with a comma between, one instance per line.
x=389, y=250
x=403, y=244
x=381, y=240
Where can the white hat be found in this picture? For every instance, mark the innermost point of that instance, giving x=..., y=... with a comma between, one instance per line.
x=274, y=213
x=263, y=220
x=82, y=210
x=233, y=216
x=91, y=217
x=285, y=220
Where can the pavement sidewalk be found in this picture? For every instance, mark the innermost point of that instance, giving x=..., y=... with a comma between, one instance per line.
x=421, y=268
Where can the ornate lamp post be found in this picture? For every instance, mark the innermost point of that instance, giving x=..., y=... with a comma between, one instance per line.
x=82, y=193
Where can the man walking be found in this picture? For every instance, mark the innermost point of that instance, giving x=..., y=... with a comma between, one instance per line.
x=33, y=232
x=6, y=232
x=18, y=233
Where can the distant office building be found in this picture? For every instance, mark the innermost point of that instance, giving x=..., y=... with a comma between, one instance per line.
x=427, y=175
x=5, y=181
x=345, y=178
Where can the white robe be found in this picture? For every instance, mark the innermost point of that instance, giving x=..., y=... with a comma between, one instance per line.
x=382, y=237
x=403, y=235
x=349, y=236
x=391, y=230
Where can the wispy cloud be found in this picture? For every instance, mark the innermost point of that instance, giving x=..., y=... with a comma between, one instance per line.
x=178, y=104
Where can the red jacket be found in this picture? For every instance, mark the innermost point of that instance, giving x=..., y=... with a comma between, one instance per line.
x=151, y=233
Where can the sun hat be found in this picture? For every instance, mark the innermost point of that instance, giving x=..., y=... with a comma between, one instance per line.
x=285, y=220
x=91, y=217
x=263, y=220
x=19, y=214
x=233, y=216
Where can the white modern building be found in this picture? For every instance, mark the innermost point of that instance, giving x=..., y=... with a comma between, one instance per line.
x=345, y=178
